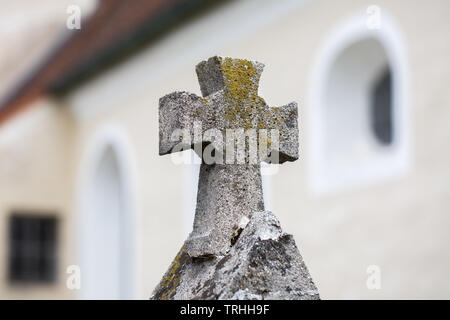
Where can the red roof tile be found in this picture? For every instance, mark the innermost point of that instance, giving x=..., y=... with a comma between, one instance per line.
x=116, y=28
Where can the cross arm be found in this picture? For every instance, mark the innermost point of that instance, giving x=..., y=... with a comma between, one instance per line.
x=284, y=119
x=177, y=113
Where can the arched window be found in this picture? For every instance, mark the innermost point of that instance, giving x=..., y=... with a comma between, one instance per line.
x=102, y=271
x=381, y=108
x=107, y=226
x=349, y=138
x=358, y=107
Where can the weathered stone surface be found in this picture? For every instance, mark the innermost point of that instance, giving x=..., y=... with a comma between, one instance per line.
x=230, y=100
x=263, y=263
x=227, y=191
x=236, y=249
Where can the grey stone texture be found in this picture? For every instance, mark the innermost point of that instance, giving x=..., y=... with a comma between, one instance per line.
x=263, y=263
x=228, y=191
x=223, y=257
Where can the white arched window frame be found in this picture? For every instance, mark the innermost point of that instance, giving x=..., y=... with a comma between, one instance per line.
x=111, y=139
x=394, y=160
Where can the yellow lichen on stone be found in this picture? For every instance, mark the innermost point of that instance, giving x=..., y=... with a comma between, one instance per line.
x=245, y=109
x=241, y=78
x=172, y=277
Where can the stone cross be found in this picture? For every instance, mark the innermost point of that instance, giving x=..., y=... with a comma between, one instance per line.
x=229, y=192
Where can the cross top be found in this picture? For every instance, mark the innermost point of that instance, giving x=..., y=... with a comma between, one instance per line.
x=229, y=192
x=230, y=101
x=240, y=77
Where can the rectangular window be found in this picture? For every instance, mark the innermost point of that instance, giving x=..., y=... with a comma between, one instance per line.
x=32, y=248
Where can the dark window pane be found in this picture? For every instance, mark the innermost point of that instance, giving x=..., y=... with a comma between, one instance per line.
x=32, y=248
x=381, y=109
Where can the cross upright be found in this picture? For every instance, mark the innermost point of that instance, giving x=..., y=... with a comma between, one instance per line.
x=229, y=192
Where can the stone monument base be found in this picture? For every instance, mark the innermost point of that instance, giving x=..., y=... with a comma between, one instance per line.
x=263, y=263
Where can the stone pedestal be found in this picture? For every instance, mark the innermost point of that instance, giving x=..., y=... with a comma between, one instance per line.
x=262, y=263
